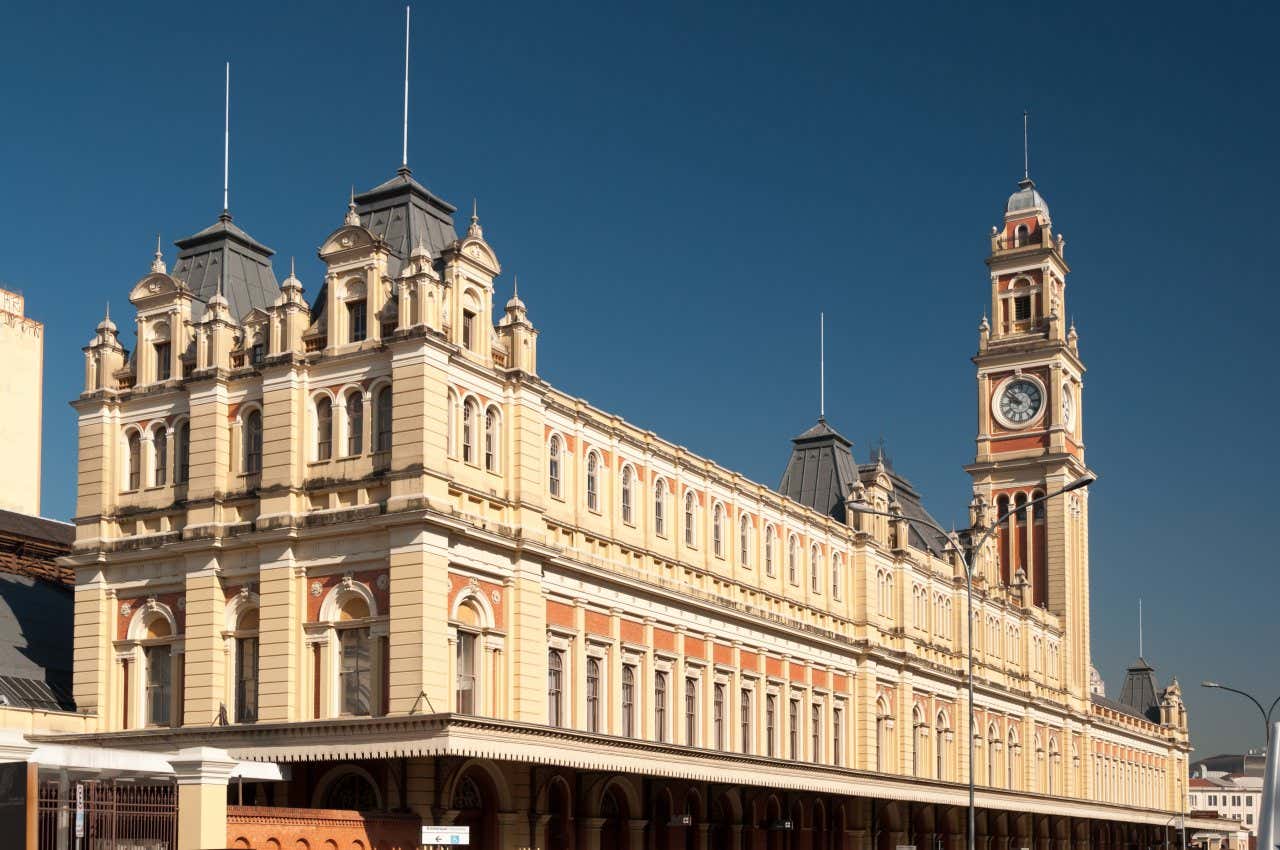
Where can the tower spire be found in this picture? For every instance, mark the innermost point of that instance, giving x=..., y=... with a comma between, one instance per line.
x=404, y=149
x=226, y=142
x=1026, y=145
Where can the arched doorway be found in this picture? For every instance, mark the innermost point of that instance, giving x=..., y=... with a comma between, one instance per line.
x=660, y=823
x=559, y=829
x=819, y=837
x=614, y=813
x=692, y=810
x=476, y=804
x=725, y=815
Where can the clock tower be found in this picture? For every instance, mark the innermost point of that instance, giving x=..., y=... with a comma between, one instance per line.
x=1029, y=428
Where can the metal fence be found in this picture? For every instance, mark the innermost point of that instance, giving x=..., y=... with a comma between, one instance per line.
x=107, y=816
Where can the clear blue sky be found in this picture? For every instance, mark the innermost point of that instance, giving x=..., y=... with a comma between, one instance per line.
x=682, y=188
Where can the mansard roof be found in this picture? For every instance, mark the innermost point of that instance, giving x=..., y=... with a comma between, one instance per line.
x=1141, y=693
x=403, y=213
x=821, y=471
x=224, y=255
x=920, y=536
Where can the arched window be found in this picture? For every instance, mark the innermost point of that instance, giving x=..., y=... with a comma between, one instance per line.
x=837, y=565
x=553, y=465
x=182, y=448
x=1021, y=235
x=555, y=687
x=815, y=570
x=815, y=733
x=355, y=423
x=993, y=743
x=628, y=513
x=940, y=746
x=246, y=669
x=920, y=743
x=133, y=447
x=470, y=413
x=745, y=709
x=793, y=560
x=1011, y=759
x=160, y=444
x=357, y=320
x=884, y=736
x=491, y=439
x=744, y=540
x=717, y=530
x=1053, y=764
x=629, y=700
x=382, y=410
x=768, y=550
x=593, y=481
x=660, y=706
x=690, y=528
x=717, y=715
x=355, y=665
x=253, y=442
x=659, y=507
x=324, y=428
x=465, y=654
x=593, y=695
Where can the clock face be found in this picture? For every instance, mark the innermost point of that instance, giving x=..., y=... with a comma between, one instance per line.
x=1020, y=401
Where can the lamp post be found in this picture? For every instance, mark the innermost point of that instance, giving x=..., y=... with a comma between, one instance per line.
x=861, y=507
x=1266, y=712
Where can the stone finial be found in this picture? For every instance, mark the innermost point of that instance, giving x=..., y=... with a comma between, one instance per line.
x=157, y=264
x=353, y=218
x=475, y=230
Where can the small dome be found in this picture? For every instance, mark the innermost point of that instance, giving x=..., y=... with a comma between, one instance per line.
x=1026, y=199
x=106, y=326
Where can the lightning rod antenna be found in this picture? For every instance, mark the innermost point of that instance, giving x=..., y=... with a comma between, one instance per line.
x=226, y=139
x=822, y=366
x=1026, y=145
x=404, y=149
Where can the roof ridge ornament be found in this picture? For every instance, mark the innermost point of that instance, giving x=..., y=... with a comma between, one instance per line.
x=157, y=264
x=352, y=218
x=475, y=230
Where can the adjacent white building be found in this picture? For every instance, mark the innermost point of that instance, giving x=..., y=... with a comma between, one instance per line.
x=1231, y=786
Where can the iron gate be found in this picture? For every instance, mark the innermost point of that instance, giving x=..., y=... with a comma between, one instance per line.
x=113, y=816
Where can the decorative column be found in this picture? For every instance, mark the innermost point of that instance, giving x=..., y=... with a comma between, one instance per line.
x=202, y=774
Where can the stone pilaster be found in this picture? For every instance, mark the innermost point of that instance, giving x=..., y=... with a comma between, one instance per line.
x=204, y=656
x=281, y=593
x=419, y=617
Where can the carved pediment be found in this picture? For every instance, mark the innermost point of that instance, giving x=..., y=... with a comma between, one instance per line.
x=154, y=286
x=477, y=252
x=350, y=239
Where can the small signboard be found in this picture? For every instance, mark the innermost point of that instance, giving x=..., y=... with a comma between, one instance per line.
x=79, y=810
x=446, y=836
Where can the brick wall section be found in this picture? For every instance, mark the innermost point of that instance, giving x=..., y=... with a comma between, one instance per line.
x=270, y=826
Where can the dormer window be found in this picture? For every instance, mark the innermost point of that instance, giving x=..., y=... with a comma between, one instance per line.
x=357, y=320
x=257, y=351
x=162, y=361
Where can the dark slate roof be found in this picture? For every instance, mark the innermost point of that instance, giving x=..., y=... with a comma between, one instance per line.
x=1248, y=764
x=821, y=470
x=920, y=535
x=403, y=213
x=223, y=252
x=1140, y=692
x=38, y=528
x=35, y=643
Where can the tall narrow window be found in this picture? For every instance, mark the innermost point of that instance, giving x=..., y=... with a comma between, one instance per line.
x=135, y=461
x=815, y=731
x=835, y=575
x=553, y=465
x=468, y=330
x=491, y=440
x=690, y=533
x=382, y=408
x=717, y=716
x=593, y=482
x=356, y=320
x=717, y=530
x=660, y=706
x=768, y=550
x=593, y=695
x=469, y=416
x=770, y=724
x=837, y=736
x=465, y=703
x=629, y=700
x=793, y=728
x=793, y=560
x=159, y=684
x=246, y=679
x=882, y=741
x=182, y=471
x=627, y=513
x=355, y=423
x=161, y=442
x=253, y=442
x=356, y=671
x=555, y=687
x=745, y=719
x=815, y=570
x=163, y=368
x=324, y=428
x=744, y=540
x=659, y=512
x=691, y=711
x=939, y=749
x=257, y=351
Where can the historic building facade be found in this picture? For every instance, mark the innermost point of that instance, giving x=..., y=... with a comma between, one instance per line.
x=361, y=536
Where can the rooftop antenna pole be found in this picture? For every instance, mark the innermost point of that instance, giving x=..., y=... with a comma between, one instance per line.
x=404, y=150
x=1026, y=145
x=822, y=366
x=226, y=139
x=1139, y=626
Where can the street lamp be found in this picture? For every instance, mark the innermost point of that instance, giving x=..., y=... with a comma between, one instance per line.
x=862, y=507
x=1266, y=712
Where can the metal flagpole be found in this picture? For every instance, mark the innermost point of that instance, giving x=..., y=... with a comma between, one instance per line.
x=226, y=139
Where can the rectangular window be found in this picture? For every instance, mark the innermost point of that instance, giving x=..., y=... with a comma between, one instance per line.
x=555, y=687
x=815, y=724
x=1213, y=799
x=256, y=352
x=465, y=701
x=793, y=724
x=1235, y=799
x=246, y=679
x=660, y=707
x=159, y=687
x=629, y=700
x=717, y=717
x=691, y=711
x=745, y=709
x=837, y=736
x=770, y=723
x=355, y=672
x=593, y=695
x=468, y=329
x=356, y=320
x=162, y=361
x=1022, y=308
x=162, y=456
